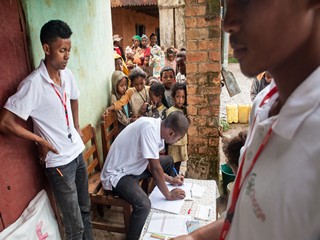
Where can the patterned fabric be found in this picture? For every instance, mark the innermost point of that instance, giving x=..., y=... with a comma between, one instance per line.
x=156, y=60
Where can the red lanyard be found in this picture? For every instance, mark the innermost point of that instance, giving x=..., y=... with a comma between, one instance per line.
x=64, y=103
x=237, y=185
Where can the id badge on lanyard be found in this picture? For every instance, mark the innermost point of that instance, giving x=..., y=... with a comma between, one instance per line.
x=238, y=184
x=64, y=104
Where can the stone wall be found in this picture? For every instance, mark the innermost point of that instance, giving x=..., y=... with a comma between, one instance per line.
x=203, y=43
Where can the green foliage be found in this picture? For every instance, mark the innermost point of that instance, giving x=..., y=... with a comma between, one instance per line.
x=232, y=60
x=224, y=125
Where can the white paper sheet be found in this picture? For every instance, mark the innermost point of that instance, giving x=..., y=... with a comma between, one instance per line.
x=158, y=201
x=197, y=191
x=168, y=224
x=203, y=212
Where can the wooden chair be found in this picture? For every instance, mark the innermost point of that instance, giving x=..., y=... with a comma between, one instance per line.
x=100, y=197
x=109, y=131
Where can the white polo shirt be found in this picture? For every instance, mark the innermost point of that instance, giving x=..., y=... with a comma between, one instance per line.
x=129, y=153
x=36, y=98
x=280, y=199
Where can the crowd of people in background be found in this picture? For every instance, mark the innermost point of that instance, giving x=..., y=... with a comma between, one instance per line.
x=149, y=56
x=150, y=81
x=144, y=64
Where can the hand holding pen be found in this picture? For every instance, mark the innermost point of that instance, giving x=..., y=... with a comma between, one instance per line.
x=178, y=179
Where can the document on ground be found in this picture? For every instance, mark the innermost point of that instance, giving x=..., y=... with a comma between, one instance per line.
x=158, y=201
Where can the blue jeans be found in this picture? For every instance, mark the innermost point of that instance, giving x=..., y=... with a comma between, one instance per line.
x=70, y=189
x=129, y=189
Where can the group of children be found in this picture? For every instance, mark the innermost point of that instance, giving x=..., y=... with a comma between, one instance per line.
x=149, y=56
x=150, y=98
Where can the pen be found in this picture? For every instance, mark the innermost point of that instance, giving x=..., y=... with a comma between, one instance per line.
x=60, y=173
x=189, y=211
x=175, y=171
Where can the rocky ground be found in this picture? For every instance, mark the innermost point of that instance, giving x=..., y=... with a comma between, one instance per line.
x=104, y=235
x=241, y=98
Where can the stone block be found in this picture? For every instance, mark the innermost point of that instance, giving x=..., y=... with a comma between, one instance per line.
x=192, y=45
x=191, y=22
x=215, y=55
x=196, y=100
x=209, y=67
x=192, y=68
x=199, y=56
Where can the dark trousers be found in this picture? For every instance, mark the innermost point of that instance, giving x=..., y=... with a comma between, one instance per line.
x=72, y=197
x=129, y=189
x=177, y=166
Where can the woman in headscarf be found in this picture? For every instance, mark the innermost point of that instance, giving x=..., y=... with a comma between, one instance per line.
x=137, y=51
x=120, y=64
x=136, y=44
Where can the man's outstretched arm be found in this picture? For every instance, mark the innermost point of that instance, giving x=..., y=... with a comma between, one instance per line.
x=211, y=231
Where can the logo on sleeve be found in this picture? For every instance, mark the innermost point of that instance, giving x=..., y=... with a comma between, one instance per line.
x=251, y=192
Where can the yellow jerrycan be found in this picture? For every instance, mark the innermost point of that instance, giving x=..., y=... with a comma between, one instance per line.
x=243, y=113
x=232, y=113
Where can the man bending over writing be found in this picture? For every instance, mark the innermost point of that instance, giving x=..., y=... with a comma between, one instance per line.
x=134, y=155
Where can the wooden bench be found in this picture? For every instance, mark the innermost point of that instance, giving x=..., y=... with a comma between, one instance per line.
x=100, y=197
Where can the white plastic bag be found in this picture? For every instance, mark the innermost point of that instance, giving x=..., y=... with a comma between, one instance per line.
x=37, y=222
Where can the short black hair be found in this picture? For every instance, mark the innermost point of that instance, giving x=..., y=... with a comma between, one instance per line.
x=158, y=89
x=54, y=29
x=231, y=147
x=149, y=80
x=152, y=34
x=176, y=87
x=166, y=69
x=137, y=72
x=181, y=54
x=178, y=122
x=171, y=50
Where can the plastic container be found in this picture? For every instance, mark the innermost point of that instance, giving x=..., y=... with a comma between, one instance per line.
x=243, y=113
x=230, y=187
x=249, y=112
x=232, y=113
x=227, y=176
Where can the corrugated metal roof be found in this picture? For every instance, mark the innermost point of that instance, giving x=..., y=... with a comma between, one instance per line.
x=125, y=3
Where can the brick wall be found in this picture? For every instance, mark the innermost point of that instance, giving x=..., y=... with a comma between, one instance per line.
x=203, y=43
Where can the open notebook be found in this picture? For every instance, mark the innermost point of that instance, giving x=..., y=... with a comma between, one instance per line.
x=164, y=226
